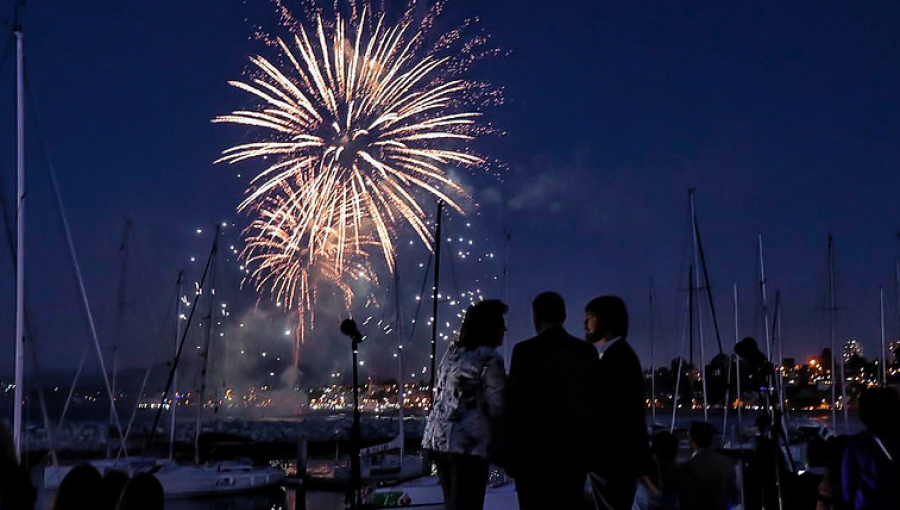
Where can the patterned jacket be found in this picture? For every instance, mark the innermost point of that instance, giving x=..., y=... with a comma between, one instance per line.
x=469, y=402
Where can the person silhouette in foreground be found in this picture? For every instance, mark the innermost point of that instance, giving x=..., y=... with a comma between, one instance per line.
x=708, y=480
x=623, y=449
x=469, y=402
x=870, y=472
x=551, y=385
x=81, y=488
x=16, y=490
x=143, y=492
x=659, y=490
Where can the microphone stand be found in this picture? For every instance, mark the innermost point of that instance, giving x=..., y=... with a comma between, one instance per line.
x=348, y=327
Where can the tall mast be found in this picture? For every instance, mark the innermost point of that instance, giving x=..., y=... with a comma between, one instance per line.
x=831, y=308
x=207, y=344
x=18, y=429
x=764, y=293
x=434, y=293
x=897, y=273
x=507, y=241
x=174, y=404
x=400, y=390
x=691, y=323
x=883, y=347
x=699, y=308
x=120, y=312
x=686, y=332
x=777, y=331
x=737, y=365
x=652, y=360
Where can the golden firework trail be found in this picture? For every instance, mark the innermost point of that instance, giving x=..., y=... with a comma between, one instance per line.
x=362, y=123
x=276, y=261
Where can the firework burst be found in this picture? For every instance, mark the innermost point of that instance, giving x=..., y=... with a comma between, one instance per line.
x=362, y=128
x=362, y=122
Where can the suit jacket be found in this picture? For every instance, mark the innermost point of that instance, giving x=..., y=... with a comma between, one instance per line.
x=869, y=476
x=623, y=445
x=552, y=391
x=708, y=482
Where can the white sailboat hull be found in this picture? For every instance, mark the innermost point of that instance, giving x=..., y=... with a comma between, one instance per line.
x=181, y=481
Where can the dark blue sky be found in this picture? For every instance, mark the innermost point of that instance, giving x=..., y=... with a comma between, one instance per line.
x=786, y=120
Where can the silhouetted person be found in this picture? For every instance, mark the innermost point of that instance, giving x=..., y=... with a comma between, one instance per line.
x=468, y=407
x=16, y=491
x=708, y=480
x=769, y=484
x=79, y=489
x=551, y=388
x=805, y=493
x=623, y=447
x=830, y=492
x=113, y=484
x=143, y=492
x=660, y=488
x=870, y=475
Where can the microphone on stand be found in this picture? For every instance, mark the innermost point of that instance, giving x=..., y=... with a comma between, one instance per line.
x=349, y=328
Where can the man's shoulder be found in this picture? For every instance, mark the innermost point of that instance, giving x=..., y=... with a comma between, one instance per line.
x=621, y=350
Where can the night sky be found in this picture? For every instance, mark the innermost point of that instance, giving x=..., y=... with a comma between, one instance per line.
x=785, y=118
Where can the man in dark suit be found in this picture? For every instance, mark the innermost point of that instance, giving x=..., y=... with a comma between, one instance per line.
x=708, y=480
x=551, y=389
x=622, y=445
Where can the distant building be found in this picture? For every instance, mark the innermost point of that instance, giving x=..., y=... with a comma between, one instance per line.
x=852, y=348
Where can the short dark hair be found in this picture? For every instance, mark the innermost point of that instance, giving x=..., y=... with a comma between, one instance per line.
x=549, y=307
x=482, y=323
x=664, y=445
x=612, y=313
x=879, y=410
x=817, y=452
x=702, y=433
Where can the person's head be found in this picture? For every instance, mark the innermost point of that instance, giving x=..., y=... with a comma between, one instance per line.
x=664, y=445
x=605, y=318
x=701, y=434
x=817, y=453
x=483, y=324
x=548, y=309
x=79, y=489
x=143, y=492
x=113, y=484
x=879, y=410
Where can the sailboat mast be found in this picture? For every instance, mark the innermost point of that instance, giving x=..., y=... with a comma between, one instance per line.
x=740, y=404
x=699, y=309
x=834, y=378
x=174, y=404
x=18, y=429
x=207, y=344
x=764, y=292
x=507, y=238
x=120, y=311
x=434, y=293
x=652, y=359
x=400, y=379
x=883, y=347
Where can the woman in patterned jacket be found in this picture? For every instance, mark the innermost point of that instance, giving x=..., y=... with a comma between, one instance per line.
x=468, y=406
